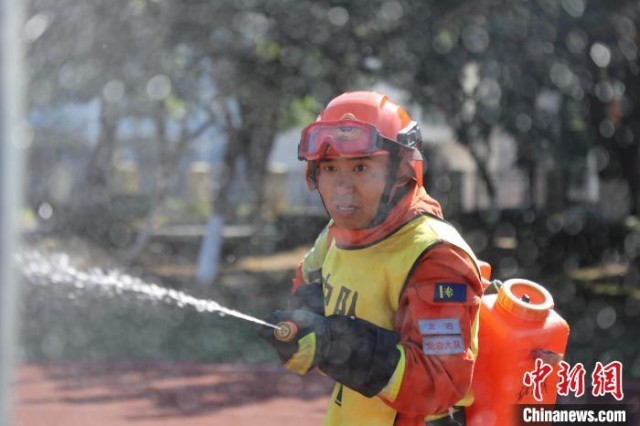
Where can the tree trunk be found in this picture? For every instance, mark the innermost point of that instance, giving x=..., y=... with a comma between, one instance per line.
x=91, y=191
x=208, y=267
x=630, y=164
x=94, y=184
x=486, y=177
x=533, y=185
x=466, y=138
x=167, y=175
x=264, y=129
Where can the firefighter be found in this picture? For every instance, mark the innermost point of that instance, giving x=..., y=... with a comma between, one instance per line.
x=386, y=302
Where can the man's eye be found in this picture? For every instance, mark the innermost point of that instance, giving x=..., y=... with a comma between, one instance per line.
x=360, y=168
x=329, y=168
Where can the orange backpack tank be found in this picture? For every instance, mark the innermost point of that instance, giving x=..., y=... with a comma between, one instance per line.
x=517, y=325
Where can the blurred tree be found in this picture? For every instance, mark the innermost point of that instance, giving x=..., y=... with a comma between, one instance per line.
x=268, y=57
x=541, y=70
x=118, y=55
x=552, y=72
x=613, y=99
x=74, y=52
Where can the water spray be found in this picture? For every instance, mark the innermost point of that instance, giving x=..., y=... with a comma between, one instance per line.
x=240, y=315
x=57, y=269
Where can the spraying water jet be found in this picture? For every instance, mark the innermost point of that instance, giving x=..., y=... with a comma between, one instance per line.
x=57, y=269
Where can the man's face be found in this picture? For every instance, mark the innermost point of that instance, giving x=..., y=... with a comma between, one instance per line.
x=352, y=188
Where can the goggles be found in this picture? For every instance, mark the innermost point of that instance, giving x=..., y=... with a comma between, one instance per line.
x=348, y=138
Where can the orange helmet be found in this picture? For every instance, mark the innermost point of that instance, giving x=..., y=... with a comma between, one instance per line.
x=362, y=124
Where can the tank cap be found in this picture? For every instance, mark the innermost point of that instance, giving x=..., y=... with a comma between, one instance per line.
x=512, y=298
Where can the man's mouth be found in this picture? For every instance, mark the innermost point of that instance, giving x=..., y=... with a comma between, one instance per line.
x=345, y=208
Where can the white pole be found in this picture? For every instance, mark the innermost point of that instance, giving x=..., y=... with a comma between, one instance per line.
x=210, y=249
x=12, y=120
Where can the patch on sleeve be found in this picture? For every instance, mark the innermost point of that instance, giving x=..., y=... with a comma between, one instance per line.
x=442, y=345
x=450, y=292
x=439, y=326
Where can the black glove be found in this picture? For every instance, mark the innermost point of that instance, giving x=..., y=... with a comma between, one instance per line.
x=308, y=297
x=352, y=351
x=302, y=353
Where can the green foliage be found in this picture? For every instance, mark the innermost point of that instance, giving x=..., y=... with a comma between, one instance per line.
x=176, y=107
x=268, y=51
x=300, y=112
x=179, y=210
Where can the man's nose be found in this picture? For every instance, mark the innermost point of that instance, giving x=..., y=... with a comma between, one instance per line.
x=344, y=182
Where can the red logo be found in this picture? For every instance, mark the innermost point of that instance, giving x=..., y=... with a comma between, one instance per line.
x=571, y=379
x=537, y=377
x=605, y=379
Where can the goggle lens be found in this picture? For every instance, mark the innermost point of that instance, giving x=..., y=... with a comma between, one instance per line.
x=346, y=138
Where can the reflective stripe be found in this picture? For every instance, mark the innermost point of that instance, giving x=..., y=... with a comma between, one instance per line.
x=456, y=417
x=390, y=392
x=301, y=361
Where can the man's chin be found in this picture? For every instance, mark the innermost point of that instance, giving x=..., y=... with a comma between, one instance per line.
x=351, y=225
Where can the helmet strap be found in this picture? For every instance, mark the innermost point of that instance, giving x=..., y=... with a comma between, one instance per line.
x=311, y=175
x=395, y=189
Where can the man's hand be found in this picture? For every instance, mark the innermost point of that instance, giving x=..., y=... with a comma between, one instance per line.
x=302, y=353
x=350, y=350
